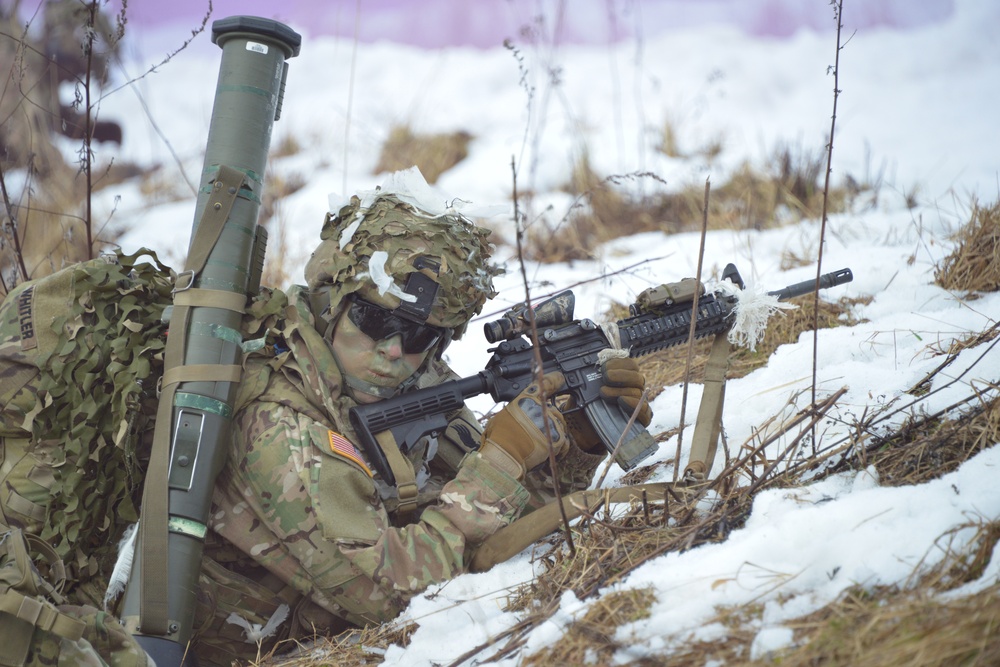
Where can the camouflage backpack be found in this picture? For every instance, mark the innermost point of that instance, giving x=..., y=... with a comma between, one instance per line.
x=80, y=357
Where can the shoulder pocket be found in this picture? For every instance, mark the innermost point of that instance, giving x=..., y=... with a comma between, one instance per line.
x=349, y=507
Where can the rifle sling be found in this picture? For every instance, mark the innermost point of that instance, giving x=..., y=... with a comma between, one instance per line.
x=511, y=540
x=708, y=426
x=402, y=470
x=153, y=600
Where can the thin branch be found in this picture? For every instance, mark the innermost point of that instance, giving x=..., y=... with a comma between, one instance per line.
x=691, y=332
x=539, y=368
x=839, y=8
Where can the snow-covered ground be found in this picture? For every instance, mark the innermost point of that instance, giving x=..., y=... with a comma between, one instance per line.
x=916, y=113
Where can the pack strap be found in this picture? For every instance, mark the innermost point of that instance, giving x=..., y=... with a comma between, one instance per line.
x=708, y=426
x=20, y=615
x=514, y=538
x=153, y=537
x=39, y=614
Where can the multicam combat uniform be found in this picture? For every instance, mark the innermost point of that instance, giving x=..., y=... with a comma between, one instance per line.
x=299, y=519
x=298, y=501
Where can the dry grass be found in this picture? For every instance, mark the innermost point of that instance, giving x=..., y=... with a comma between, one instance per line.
x=601, y=213
x=886, y=627
x=591, y=639
x=974, y=265
x=925, y=448
x=354, y=648
x=433, y=154
x=786, y=190
x=670, y=145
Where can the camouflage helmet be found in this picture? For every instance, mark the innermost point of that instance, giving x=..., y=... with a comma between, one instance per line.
x=428, y=267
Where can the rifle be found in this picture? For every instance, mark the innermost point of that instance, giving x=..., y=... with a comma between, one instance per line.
x=660, y=318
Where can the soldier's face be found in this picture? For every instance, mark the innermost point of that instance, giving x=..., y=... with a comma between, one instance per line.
x=379, y=362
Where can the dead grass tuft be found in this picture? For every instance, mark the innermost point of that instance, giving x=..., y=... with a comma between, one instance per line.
x=886, y=626
x=602, y=212
x=928, y=447
x=591, y=639
x=974, y=265
x=670, y=145
x=433, y=154
x=786, y=190
x=353, y=648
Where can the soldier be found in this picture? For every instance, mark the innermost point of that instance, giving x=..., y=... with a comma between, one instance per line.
x=300, y=523
x=304, y=537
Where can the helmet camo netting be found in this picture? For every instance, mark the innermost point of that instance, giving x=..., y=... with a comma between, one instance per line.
x=371, y=251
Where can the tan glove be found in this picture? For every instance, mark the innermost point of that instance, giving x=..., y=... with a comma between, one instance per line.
x=515, y=440
x=623, y=384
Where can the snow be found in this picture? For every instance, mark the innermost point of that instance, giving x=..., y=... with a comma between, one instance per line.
x=914, y=115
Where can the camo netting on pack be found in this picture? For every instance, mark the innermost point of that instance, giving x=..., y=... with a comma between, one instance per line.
x=97, y=399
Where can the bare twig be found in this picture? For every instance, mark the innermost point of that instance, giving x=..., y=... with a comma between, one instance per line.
x=691, y=332
x=837, y=13
x=539, y=368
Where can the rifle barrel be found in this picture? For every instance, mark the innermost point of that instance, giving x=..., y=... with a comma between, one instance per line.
x=826, y=281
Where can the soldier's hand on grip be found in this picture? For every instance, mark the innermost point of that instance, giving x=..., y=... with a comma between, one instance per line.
x=515, y=438
x=623, y=383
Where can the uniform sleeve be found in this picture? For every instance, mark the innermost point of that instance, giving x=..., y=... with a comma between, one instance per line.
x=306, y=508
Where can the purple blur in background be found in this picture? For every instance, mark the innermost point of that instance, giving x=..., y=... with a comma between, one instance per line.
x=486, y=23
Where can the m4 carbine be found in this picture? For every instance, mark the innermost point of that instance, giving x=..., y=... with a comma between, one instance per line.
x=660, y=318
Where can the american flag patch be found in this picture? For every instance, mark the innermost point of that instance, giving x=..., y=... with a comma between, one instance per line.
x=343, y=447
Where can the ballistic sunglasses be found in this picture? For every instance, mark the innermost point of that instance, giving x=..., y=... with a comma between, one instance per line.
x=378, y=324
